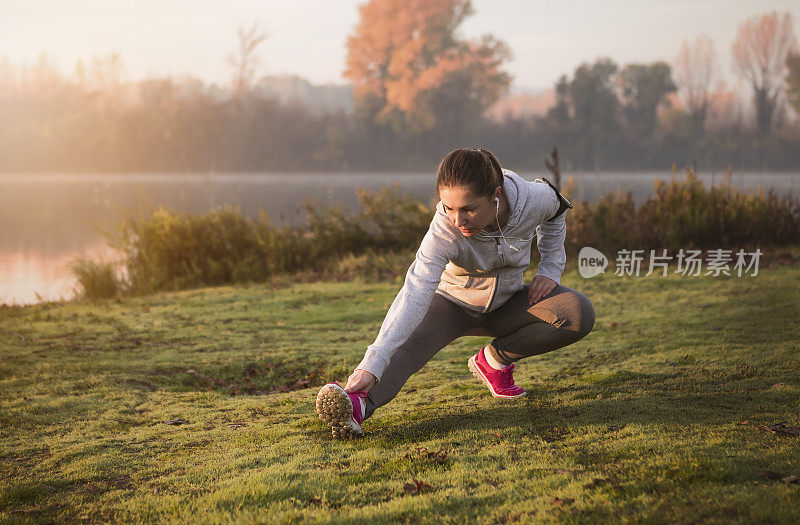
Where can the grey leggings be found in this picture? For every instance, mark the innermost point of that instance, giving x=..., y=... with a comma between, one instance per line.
x=520, y=330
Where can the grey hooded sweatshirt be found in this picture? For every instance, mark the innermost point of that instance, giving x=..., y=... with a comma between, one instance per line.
x=479, y=273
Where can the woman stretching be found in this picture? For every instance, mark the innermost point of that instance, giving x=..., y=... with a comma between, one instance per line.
x=466, y=279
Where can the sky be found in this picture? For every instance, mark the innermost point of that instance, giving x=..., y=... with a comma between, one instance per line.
x=307, y=37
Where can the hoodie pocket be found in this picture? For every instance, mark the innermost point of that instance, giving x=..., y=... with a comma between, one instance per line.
x=469, y=282
x=458, y=281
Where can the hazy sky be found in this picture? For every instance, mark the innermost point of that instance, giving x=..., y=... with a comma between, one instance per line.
x=307, y=38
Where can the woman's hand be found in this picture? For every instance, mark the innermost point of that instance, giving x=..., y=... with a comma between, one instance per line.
x=360, y=380
x=540, y=286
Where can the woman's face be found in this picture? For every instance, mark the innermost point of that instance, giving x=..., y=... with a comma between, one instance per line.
x=468, y=212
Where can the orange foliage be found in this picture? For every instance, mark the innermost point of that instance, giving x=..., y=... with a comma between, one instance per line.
x=695, y=67
x=403, y=50
x=725, y=108
x=759, y=55
x=761, y=46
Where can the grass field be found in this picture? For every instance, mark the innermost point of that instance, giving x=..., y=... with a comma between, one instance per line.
x=681, y=406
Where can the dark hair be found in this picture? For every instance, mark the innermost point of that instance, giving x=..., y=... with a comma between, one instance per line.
x=474, y=167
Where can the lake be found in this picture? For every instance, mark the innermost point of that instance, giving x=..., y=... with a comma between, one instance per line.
x=49, y=220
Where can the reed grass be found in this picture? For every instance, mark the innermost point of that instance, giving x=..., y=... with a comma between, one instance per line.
x=167, y=250
x=683, y=213
x=98, y=280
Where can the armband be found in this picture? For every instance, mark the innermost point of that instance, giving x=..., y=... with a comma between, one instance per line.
x=564, y=204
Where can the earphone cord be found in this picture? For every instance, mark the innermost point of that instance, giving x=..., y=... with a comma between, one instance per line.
x=497, y=218
x=502, y=235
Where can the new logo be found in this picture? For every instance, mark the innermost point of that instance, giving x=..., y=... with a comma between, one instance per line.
x=591, y=262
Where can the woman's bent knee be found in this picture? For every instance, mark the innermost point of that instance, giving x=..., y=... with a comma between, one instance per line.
x=573, y=312
x=587, y=315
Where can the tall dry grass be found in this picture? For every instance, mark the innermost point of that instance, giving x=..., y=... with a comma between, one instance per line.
x=166, y=250
x=683, y=213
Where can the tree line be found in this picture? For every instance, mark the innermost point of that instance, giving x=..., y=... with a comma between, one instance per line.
x=419, y=90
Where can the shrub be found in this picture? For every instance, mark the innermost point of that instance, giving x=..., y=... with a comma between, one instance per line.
x=685, y=214
x=97, y=280
x=166, y=250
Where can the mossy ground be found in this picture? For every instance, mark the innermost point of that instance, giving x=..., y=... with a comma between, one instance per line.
x=656, y=416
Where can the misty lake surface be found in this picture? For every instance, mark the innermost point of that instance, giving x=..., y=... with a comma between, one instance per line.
x=49, y=220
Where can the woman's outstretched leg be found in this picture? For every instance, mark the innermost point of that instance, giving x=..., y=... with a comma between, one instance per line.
x=443, y=323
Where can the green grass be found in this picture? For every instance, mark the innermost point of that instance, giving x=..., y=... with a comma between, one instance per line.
x=655, y=416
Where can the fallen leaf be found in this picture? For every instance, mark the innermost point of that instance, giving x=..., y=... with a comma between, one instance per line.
x=416, y=488
x=596, y=482
x=176, y=422
x=562, y=501
x=563, y=471
x=208, y=379
x=441, y=456
x=613, y=326
x=234, y=426
x=781, y=429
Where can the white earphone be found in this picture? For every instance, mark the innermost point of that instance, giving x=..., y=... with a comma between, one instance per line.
x=502, y=235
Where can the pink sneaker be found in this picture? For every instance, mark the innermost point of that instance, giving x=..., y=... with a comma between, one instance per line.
x=500, y=382
x=342, y=411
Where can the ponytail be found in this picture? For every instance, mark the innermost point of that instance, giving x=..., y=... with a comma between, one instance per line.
x=476, y=168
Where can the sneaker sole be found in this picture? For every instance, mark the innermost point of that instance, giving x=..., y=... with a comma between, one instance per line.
x=336, y=410
x=476, y=371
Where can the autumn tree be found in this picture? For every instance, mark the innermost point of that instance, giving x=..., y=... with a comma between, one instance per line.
x=695, y=69
x=793, y=80
x=644, y=88
x=102, y=73
x=244, y=61
x=410, y=67
x=559, y=112
x=759, y=54
x=594, y=107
